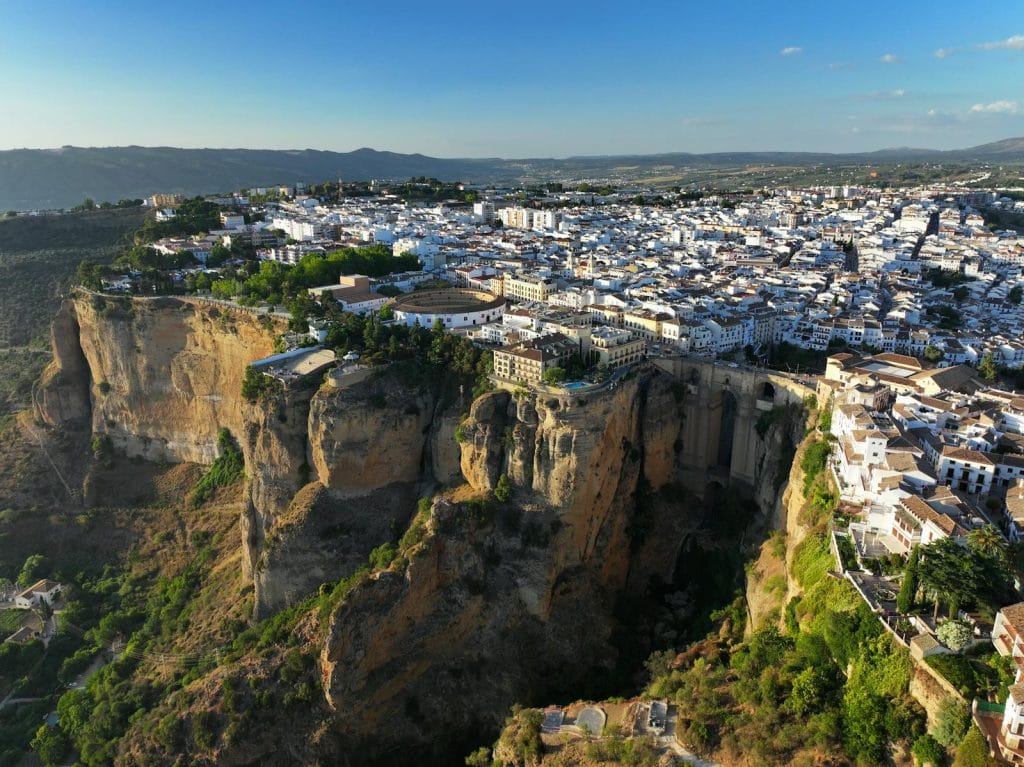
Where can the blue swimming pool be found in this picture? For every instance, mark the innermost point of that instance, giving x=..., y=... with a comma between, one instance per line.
x=576, y=385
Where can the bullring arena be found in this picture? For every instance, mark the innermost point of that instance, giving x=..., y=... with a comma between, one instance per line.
x=455, y=307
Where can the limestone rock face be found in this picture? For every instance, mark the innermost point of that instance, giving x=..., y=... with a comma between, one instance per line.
x=62, y=396
x=522, y=596
x=163, y=374
x=274, y=445
x=322, y=536
x=500, y=601
x=474, y=621
x=369, y=435
x=333, y=473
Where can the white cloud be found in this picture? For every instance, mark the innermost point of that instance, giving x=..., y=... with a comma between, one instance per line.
x=945, y=53
x=791, y=50
x=1003, y=107
x=885, y=95
x=890, y=58
x=1013, y=43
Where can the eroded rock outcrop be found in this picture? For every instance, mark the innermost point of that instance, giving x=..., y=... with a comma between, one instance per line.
x=501, y=601
x=336, y=471
x=62, y=396
x=162, y=375
x=491, y=606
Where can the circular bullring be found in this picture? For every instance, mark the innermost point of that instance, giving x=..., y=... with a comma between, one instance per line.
x=455, y=307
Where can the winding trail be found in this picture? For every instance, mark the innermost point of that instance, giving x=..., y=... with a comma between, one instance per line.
x=72, y=494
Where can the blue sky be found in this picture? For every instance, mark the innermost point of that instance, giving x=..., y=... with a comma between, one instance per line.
x=512, y=79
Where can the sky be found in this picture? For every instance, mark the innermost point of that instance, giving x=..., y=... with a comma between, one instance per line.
x=512, y=79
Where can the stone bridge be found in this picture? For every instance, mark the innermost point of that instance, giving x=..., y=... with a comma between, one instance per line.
x=722, y=405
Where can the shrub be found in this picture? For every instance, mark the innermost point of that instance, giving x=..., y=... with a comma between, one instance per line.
x=382, y=556
x=227, y=468
x=928, y=751
x=503, y=490
x=965, y=675
x=416, y=530
x=973, y=751
x=956, y=635
x=952, y=721
x=813, y=463
x=257, y=386
x=50, y=745
x=204, y=729
x=102, y=447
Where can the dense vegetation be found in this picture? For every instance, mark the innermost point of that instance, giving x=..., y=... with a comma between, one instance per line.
x=192, y=216
x=423, y=357
x=276, y=283
x=19, y=370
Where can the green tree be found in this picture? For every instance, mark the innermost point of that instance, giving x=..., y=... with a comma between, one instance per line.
x=932, y=353
x=479, y=758
x=864, y=731
x=50, y=744
x=1014, y=295
x=219, y=254
x=956, y=635
x=503, y=490
x=951, y=722
x=973, y=751
x=382, y=556
x=31, y=570
x=989, y=540
x=90, y=274
x=963, y=576
x=554, y=376
x=908, y=586
x=810, y=689
x=988, y=368
x=928, y=752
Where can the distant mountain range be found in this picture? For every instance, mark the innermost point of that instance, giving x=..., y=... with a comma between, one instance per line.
x=59, y=178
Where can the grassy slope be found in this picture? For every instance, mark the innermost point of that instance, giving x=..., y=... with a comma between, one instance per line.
x=147, y=532
x=38, y=257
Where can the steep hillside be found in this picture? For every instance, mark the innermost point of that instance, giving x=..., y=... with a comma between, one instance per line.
x=387, y=625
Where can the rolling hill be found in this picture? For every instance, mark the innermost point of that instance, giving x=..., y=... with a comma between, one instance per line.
x=59, y=178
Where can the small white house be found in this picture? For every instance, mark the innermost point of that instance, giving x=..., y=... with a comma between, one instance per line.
x=44, y=590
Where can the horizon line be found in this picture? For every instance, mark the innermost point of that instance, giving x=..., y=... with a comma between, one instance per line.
x=498, y=157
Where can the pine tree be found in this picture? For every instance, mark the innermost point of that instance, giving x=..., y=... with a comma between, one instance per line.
x=908, y=588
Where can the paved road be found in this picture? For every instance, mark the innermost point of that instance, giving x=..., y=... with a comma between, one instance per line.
x=669, y=741
x=15, y=701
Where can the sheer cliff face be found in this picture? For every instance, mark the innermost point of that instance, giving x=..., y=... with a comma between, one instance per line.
x=336, y=471
x=500, y=601
x=62, y=397
x=162, y=375
x=509, y=601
